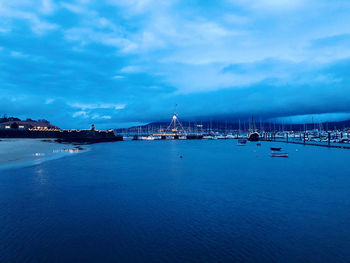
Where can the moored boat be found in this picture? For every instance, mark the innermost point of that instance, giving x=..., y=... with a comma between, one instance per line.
x=147, y=138
x=253, y=136
x=275, y=149
x=242, y=142
x=274, y=154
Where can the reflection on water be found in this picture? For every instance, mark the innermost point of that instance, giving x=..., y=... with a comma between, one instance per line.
x=41, y=176
x=140, y=202
x=40, y=154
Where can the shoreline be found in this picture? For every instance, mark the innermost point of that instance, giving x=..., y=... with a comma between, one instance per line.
x=27, y=152
x=65, y=136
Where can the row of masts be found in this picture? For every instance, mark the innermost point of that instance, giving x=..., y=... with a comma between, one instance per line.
x=224, y=127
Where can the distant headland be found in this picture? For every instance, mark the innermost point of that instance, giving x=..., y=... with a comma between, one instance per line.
x=12, y=127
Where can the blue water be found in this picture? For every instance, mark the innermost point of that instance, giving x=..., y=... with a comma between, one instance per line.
x=137, y=201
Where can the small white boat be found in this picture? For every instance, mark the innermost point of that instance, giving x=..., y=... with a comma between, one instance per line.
x=278, y=154
x=147, y=138
x=209, y=137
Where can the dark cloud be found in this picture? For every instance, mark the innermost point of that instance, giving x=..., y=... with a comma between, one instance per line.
x=115, y=63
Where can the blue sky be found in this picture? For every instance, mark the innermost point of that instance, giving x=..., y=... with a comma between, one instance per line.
x=117, y=63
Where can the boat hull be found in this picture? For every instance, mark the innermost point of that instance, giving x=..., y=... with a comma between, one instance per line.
x=283, y=155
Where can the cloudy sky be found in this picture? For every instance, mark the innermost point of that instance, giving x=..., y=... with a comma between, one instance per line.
x=117, y=63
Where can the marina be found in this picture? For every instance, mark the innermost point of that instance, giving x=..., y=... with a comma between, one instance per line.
x=337, y=138
x=322, y=138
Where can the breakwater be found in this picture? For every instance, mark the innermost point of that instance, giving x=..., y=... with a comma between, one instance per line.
x=74, y=136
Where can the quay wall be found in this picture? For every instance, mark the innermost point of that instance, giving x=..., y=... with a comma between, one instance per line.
x=82, y=136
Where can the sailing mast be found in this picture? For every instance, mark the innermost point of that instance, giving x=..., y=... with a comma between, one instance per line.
x=174, y=122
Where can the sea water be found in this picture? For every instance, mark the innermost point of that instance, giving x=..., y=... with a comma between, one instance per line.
x=138, y=201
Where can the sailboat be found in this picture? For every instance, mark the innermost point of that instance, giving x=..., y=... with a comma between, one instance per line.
x=253, y=134
x=276, y=152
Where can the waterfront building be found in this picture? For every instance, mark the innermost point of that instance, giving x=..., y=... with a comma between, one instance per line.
x=26, y=125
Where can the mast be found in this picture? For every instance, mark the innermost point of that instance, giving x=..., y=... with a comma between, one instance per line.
x=174, y=122
x=239, y=127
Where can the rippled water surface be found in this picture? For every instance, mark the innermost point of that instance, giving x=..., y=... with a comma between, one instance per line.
x=137, y=201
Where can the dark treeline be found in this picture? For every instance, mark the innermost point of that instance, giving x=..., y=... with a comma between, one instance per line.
x=4, y=118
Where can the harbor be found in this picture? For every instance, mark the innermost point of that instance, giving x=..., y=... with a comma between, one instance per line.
x=149, y=131
x=176, y=130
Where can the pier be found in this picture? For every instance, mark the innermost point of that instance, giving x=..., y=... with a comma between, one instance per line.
x=307, y=139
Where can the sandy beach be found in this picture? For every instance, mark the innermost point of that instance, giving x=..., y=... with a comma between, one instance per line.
x=14, y=152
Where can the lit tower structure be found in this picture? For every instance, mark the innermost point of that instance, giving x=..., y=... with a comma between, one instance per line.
x=175, y=125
